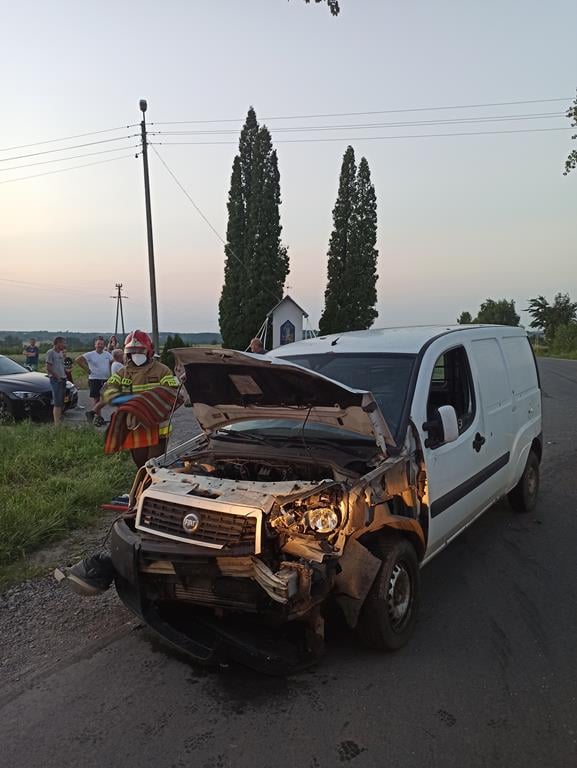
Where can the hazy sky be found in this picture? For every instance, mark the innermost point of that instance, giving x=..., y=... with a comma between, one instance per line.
x=461, y=218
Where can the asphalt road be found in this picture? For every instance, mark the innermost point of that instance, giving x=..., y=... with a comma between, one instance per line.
x=489, y=678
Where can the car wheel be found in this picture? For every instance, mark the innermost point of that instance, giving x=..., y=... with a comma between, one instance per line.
x=6, y=410
x=390, y=609
x=523, y=497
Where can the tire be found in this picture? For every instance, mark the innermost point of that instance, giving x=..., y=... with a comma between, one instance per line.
x=390, y=609
x=6, y=411
x=523, y=497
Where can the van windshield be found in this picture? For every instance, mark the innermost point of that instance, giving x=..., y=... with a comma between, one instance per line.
x=386, y=376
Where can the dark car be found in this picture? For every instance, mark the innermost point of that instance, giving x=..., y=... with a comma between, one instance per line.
x=24, y=393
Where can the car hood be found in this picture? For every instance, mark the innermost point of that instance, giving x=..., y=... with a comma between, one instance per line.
x=226, y=387
x=27, y=382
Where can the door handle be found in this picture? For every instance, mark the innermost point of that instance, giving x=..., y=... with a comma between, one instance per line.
x=478, y=442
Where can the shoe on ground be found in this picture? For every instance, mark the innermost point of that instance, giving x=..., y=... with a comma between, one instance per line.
x=90, y=416
x=98, y=421
x=89, y=577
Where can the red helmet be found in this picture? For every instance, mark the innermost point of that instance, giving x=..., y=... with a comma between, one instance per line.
x=138, y=341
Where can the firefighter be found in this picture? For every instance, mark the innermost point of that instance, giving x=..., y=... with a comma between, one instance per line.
x=140, y=373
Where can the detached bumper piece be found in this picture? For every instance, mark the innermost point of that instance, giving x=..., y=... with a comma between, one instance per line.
x=208, y=640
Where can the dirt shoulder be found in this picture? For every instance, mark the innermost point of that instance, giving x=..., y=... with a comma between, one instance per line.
x=42, y=622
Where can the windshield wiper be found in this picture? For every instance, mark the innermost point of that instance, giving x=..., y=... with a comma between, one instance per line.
x=239, y=437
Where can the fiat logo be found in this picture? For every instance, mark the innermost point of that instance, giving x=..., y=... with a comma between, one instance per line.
x=191, y=522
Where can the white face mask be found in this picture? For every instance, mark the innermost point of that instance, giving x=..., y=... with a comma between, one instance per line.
x=139, y=359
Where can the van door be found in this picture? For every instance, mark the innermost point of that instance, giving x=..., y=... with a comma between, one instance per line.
x=458, y=472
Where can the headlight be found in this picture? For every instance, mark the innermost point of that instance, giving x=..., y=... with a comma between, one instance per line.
x=322, y=519
x=25, y=395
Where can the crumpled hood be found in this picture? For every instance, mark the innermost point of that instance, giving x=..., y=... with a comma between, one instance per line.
x=225, y=387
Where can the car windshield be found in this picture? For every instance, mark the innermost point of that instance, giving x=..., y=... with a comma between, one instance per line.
x=9, y=367
x=386, y=376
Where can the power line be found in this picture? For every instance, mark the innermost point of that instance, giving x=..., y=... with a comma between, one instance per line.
x=356, y=126
x=67, y=138
x=64, y=149
x=201, y=214
x=50, y=287
x=64, y=170
x=72, y=157
x=366, y=138
x=375, y=112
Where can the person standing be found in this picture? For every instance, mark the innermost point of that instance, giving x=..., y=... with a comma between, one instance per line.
x=112, y=344
x=31, y=352
x=57, y=375
x=97, y=365
x=117, y=360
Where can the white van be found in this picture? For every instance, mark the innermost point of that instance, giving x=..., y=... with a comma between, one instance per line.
x=328, y=470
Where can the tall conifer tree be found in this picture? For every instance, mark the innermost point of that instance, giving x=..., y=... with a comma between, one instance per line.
x=361, y=310
x=334, y=317
x=351, y=294
x=256, y=262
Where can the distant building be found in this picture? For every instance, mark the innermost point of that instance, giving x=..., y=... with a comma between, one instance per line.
x=287, y=319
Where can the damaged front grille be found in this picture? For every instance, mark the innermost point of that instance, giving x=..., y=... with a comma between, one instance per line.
x=214, y=528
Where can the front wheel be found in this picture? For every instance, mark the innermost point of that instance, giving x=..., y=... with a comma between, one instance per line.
x=523, y=497
x=390, y=609
x=6, y=410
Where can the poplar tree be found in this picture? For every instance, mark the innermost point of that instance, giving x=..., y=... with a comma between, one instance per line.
x=350, y=294
x=256, y=263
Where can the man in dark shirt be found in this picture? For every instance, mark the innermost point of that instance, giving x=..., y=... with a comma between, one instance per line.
x=31, y=352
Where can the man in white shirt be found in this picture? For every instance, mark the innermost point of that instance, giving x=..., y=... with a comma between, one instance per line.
x=97, y=366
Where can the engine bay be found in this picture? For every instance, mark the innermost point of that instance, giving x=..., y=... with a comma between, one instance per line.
x=254, y=470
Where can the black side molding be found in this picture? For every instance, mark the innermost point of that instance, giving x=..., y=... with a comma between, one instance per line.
x=446, y=501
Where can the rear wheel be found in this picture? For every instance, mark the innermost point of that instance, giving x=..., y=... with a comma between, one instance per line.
x=390, y=609
x=523, y=497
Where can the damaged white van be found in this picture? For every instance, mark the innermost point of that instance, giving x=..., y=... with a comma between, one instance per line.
x=327, y=473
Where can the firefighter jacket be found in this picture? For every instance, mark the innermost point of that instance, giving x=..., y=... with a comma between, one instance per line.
x=133, y=379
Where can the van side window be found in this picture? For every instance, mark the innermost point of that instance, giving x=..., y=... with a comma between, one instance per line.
x=452, y=384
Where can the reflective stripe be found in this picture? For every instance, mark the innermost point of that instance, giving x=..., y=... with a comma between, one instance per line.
x=163, y=431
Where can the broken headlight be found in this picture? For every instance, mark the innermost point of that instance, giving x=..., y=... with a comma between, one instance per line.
x=322, y=519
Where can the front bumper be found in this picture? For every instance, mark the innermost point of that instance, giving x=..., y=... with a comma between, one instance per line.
x=256, y=631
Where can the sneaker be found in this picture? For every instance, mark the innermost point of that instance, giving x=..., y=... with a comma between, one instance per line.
x=91, y=576
x=98, y=421
x=90, y=416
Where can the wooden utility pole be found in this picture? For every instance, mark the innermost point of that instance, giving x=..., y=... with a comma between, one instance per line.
x=153, y=303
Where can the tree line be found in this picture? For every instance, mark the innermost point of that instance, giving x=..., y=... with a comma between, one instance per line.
x=557, y=320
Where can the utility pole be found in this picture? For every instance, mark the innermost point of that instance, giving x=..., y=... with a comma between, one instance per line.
x=153, y=304
x=119, y=311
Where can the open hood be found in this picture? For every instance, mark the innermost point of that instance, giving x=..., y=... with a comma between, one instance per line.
x=225, y=387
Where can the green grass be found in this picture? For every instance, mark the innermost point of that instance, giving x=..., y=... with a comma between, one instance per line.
x=51, y=481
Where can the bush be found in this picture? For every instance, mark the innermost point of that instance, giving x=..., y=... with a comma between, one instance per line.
x=564, y=340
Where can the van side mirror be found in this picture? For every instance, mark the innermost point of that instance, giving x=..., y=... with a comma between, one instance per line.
x=442, y=428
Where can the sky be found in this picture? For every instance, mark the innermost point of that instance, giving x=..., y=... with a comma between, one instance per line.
x=460, y=218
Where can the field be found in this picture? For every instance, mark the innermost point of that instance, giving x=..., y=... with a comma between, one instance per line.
x=51, y=481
